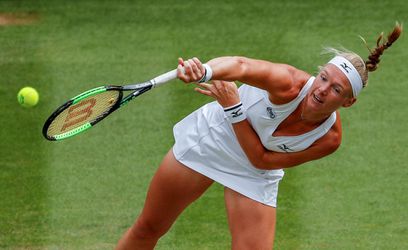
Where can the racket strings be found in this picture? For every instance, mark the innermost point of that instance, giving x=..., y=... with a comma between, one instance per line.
x=85, y=111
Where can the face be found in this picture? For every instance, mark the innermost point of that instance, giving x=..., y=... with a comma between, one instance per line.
x=330, y=91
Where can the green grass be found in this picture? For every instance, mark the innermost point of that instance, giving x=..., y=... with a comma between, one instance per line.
x=84, y=192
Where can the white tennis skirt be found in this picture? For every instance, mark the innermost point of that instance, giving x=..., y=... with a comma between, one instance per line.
x=206, y=143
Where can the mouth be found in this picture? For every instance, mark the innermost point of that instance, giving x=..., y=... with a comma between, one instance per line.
x=317, y=99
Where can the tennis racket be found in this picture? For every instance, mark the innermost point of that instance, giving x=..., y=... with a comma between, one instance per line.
x=87, y=109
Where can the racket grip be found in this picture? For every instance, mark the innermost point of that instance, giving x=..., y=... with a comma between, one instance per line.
x=164, y=78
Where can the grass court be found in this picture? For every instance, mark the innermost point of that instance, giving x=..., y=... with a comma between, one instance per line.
x=84, y=192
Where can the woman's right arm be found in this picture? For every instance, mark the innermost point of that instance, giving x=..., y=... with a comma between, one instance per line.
x=280, y=80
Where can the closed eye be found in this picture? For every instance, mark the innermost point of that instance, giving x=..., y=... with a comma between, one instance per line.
x=337, y=90
x=323, y=77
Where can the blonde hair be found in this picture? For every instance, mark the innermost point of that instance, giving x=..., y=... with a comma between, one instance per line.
x=363, y=67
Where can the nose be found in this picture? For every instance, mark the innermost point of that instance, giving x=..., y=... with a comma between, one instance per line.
x=324, y=90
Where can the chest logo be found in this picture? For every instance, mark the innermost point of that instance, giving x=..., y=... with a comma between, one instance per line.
x=285, y=148
x=270, y=112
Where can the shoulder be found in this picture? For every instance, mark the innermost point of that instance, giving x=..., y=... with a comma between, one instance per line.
x=292, y=81
x=282, y=81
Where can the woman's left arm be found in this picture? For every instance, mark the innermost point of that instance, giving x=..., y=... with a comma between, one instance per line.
x=226, y=93
x=264, y=159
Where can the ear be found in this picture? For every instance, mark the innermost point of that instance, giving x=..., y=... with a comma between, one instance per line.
x=349, y=102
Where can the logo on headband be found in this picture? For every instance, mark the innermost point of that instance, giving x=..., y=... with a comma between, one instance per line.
x=345, y=67
x=350, y=72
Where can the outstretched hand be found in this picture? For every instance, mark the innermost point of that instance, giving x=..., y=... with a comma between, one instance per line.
x=226, y=93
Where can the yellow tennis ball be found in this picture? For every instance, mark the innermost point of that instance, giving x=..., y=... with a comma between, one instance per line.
x=28, y=97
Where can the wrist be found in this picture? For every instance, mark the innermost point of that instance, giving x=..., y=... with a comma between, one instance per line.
x=207, y=74
x=235, y=113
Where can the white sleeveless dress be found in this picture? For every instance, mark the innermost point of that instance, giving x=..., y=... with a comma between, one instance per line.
x=206, y=142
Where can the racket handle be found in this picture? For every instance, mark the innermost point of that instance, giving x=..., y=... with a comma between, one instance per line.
x=164, y=78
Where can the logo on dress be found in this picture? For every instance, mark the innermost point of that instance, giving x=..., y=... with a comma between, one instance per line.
x=285, y=148
x=270, y=112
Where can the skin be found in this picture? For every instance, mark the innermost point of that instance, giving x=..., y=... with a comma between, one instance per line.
x=252, y=224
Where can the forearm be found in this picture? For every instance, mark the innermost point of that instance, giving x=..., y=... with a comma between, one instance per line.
x=228, y=68
x=262, y=158
x=253, y=148
x=276, y=78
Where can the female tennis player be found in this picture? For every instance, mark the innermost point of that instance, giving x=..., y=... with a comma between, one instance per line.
x=282, y=117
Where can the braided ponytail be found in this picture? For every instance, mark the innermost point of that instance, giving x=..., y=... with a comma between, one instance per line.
x=382, y=44
x=363, y=67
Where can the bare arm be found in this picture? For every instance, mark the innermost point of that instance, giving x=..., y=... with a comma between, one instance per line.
x=282, y=81
x=227, y=95
x=264, y=159
x=259, y=73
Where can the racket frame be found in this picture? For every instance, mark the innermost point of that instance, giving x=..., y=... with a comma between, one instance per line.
x=137, y=89
x=76, y=100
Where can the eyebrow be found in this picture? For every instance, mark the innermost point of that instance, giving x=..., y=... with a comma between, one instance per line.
x=335, y=83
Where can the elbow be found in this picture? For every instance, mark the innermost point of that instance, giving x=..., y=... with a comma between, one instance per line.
x=264, y=163
x=241, y=65
x=256, y=163
x=334, y=143
x=229, y=68
x=261, y=165
x=335, y=146
x=257, y=157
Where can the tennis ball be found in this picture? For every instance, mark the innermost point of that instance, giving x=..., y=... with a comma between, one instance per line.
x=28, y=97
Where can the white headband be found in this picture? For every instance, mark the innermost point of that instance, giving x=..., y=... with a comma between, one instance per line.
x=351, y=73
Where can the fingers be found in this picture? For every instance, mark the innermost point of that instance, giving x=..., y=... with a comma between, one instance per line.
x=204, y=92
x=193, y=70
x=180, y=61
x=225, y=87
x=196, y=69
x=209, y=88
x=219, y=88
x=199, y=65
x=219, y=85
x=226, y=93
x=180, y=71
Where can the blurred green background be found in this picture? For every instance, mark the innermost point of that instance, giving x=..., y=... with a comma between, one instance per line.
x=84, y=192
